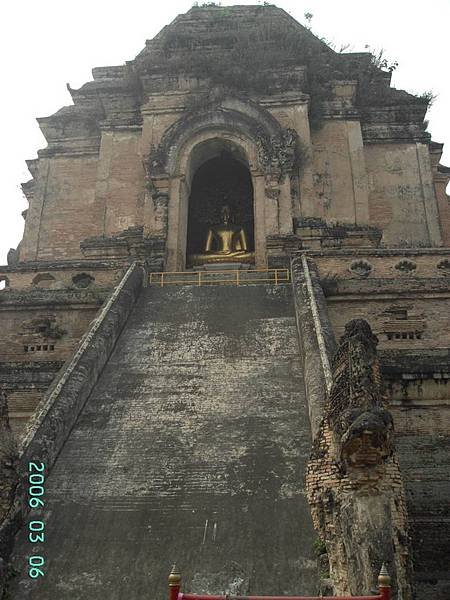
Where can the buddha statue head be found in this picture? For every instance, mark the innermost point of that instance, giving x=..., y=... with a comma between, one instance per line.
x=226, y=215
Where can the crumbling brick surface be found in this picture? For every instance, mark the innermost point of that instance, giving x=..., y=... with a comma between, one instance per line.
x=354, y=485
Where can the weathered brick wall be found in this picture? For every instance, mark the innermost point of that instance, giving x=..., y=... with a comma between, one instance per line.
x=409, y=312
x=404, y=295
x=400, y=321
x=63, y=210
x=417, y=384
x=338, y=172
x=402, y=265
x=120, y=181
x=24, y=385
x=44, y=312
x=57, y=276
x=23, y=340
x=62, y=404
x=441, y=178
x=22, y=404
x=401, y=195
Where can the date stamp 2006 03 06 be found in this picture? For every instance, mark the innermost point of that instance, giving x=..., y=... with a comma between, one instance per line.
x=36, y=529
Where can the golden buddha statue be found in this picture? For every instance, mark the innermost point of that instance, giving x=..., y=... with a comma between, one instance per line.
x=225, y=243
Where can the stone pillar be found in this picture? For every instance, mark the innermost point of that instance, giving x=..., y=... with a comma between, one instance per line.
x=428, y=195
x=103, y=175
x=176, y=224
x=358, y=173
x=29, y=247
x=263, y=212
x=307, y=205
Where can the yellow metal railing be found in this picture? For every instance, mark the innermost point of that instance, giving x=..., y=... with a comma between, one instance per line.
x=228, y=277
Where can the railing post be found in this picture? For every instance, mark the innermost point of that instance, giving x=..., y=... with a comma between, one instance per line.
x=174, y=583
x=384, y=583
x=276, y=276
x=237, y=277
x=162, y=279
x=199, y=278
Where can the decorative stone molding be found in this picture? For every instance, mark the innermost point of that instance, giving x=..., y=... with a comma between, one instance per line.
x=276, y=146
x=272, y=192
x=400, y=324
x=444, y=266
x=277, y=153
x=406, y=266
x=280, y=248
x=317, y=234
x=83, y=280
x=361, y=268
x=45, y=280
x=130, y=243
x=156, y=159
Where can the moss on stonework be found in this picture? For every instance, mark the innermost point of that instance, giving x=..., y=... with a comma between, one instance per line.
x=319, y=547
x=251, y=60
x=261, y=58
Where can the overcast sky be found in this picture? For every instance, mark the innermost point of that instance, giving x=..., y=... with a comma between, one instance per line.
x=46, y=43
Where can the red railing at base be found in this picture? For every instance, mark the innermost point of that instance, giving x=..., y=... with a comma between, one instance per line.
x=182, y=596
x=384, y=591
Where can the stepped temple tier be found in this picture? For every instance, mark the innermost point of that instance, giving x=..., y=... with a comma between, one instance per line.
x=226, y=330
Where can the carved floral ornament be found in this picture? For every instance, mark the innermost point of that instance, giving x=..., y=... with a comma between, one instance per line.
x=444, y=266
x=361, y=268
x=277, y=153
x=406, y=266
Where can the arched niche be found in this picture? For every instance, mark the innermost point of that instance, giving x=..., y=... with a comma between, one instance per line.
x=254, y=137
x=44, y=280
x=202, y=152
x=222, y=180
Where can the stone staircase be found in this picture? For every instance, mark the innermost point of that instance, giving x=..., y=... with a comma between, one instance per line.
x=190, y=449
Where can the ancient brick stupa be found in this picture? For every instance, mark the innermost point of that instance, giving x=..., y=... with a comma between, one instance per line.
x=235, y=271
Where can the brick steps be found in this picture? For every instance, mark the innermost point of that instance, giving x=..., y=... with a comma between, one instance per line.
x=191, y=448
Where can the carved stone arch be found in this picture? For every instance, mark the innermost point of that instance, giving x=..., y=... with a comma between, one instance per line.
x=258, y=139
x=192, y=154
x=276, y=145
x=197, y=149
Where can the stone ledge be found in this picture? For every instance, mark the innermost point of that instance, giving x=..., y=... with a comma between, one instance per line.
x=16, y=299
x=26, y=373
x=386, y=286
x=415, y=364
x=355, y=252
x=47, y=265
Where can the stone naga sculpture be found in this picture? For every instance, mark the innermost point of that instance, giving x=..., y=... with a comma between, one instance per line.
x=353, y=480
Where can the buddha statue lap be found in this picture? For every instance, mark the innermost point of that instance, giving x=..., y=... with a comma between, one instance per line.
x=225, y=242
